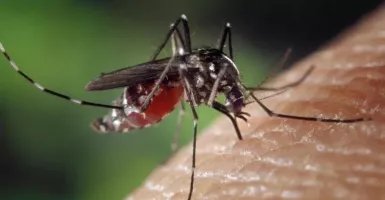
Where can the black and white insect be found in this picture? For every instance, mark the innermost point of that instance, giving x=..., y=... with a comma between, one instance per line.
x=153, y=89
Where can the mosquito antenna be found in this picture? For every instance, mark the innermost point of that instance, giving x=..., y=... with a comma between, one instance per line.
x=49, y=91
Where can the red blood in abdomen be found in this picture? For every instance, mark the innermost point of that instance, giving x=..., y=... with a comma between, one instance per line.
x=162, y=104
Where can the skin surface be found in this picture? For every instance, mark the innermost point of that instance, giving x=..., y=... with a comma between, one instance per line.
x=291, y=159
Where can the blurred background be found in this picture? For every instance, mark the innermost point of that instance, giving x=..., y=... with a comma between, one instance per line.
x=48, y=151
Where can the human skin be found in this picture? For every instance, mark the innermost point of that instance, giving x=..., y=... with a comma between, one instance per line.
x=291, y=159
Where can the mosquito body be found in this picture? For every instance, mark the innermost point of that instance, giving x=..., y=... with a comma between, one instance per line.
x=153, y=89
x=204, y=66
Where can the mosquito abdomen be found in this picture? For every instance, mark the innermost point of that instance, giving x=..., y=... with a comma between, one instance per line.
x=163, y=102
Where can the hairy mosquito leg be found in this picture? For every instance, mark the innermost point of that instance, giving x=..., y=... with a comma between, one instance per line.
x=280, y=65
x=317, y=119
x=226, y=33
x=175, y=141
x=283, y=87
x=49, y=91
x=191, y=100
x=266, y=97
x=186, y=49
x=146, y=103
x=177, y=43
x=178, y=48
x=214, y=90
x=192, y=178
x=186, y=32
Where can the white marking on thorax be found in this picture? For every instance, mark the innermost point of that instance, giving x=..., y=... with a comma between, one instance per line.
x=199, y=81
x=213, y=75
x=232, y=63
x=212, y=67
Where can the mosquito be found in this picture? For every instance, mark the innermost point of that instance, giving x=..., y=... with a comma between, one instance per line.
x=153, y=89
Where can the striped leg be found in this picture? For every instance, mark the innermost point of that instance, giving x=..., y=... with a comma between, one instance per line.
x=187, y=49
x=178, y=49
x=174, y=27
x=226, y=34
x=317, y=119
x=49, y=91
x=283, y=87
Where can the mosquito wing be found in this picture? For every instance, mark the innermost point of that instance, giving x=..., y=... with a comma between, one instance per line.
x=137, y=74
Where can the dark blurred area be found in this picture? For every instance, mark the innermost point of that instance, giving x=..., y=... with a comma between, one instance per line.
x=48, y=151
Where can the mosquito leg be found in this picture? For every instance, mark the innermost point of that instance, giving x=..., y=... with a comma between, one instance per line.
x=49, y=91
x=280, y=89
x=214, y=89
x=175, y=141
x=226, y=33
x=173, y=29
x=274, y=114
x=177, y=43
x=279, y=66
x=146, y=103
x=177, y=49
x=192, y=103
x=195, y=115
x=221, y=108
x=283, y=87
x=174, y=26
x=266, y=97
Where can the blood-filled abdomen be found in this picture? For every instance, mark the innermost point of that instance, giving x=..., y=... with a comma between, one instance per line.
x=163, y=102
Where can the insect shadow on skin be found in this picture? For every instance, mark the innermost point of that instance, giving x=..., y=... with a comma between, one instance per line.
x=153, y=89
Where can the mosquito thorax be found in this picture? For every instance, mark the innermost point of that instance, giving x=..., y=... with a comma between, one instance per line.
x=205, y=65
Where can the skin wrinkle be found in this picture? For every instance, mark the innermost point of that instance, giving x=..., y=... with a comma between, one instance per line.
x=290, y=159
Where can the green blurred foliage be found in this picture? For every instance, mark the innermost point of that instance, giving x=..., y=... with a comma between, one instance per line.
x=47, y=149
